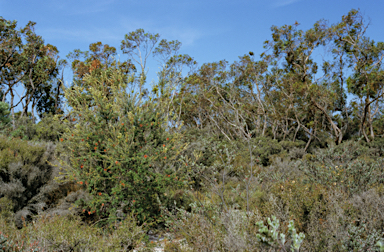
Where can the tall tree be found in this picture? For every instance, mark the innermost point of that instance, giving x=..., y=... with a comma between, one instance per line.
x=13, y=61
x=138, y=45
x=172, y=76
x=38, y=81
x=365, y=58
x=24, y=58
x=299, y=81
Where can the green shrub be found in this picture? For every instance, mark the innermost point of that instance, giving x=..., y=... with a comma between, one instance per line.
x=347, y=166
x=127, y=235
x=271, y=236
x=50, y=128
x=286, y=201
x=4, y=115
x=264, y=148
x=25, y=128
x=6, y=209
x=289, y=145
x=377, y=147
x=207, y=228
x=173, y=247
x=119, y=149
x=69, y=233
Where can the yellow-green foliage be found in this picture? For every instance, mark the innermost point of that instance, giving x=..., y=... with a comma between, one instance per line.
x=50, y=128
x=6, y=209
x=16, y=150
x=173, y=246
x=296, y=200
x=58, y=233
x=120, y=149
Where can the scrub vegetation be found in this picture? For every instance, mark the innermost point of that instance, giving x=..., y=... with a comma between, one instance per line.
x=261, y=154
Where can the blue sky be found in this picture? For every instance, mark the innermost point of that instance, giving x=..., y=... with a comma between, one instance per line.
x=209, y=30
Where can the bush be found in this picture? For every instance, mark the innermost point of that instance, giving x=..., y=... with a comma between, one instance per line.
x=23, y=170
x=232, y=230
x=289, y=145
x=68, y=233
x=4, y=115
x=348, y=167
x=27, y=172
x=362, y=239
x=25, y=129
x=265, y=148
x=119, y=150
x=50, y=128
x=6, y=209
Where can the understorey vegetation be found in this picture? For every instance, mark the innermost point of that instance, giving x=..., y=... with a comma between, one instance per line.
x=257, y=155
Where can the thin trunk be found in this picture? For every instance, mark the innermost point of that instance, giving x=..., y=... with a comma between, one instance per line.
x=364, y=118
x=13, y=111
x=25, y=109
x=311, y=136
x=307, y=145
x=274, y=130
x=258, y=124
x=336, y=130
x=33, y=110
x=265, y=125
x=58, y=91
x=286, y=129
x=297, y=130
x=370, y=123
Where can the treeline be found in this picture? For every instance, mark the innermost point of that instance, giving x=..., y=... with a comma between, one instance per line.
x=288, y=93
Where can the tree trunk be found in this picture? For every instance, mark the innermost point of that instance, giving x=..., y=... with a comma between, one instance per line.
x=13, y=111
x=336, y=130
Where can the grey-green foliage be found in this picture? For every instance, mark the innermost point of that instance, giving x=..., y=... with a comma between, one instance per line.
x=272, y=237
x=380, y=246
x=25, y=129
x=348, y=166
x=4, y=114
x=23, y=169
x=362, y=239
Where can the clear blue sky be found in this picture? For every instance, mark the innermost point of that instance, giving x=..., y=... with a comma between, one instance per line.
x=210, y=30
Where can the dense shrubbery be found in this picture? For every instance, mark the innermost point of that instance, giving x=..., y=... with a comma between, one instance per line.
x=342, y=185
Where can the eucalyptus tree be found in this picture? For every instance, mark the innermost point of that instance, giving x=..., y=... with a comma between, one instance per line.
x=38, y=81
x=364, y=57
x=247, y=81
x=306, y=96
x=172, y=77
x=138, y=45
x=204, y=102
x=24, y=59
x=13, y=64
